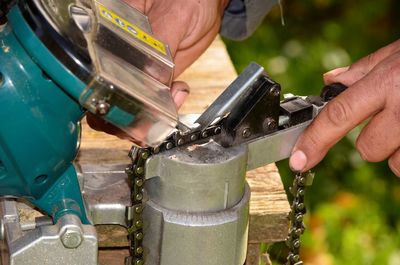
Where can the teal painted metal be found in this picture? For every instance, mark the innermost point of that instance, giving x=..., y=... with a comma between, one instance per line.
x=43, y=57
x=39, y=126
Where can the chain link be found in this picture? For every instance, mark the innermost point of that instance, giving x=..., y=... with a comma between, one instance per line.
x=296, y=216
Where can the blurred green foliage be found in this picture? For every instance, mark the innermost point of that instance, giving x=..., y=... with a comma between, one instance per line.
x=354, y=215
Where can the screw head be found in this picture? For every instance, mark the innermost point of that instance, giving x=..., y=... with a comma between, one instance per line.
x=139, y=182
x=139, y=262
x=269, y=124
x=156, y=150
x=246, y=133
x=181, y=141
x=139, y=236
x=138, y=209
x=169, y=145
x=145, y=155
x=139, y=250
x=275, y=91
x=102, y=107
x=193, y=137
x=138, y=223
x=139, y=196
x=71, y=237
x=139, y=170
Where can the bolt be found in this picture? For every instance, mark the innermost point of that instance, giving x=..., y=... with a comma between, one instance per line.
x=156, y=150
x=269, y=124
x=169, y=145
x=139, y=250
x=246, y=133
x=138, y=223
x=204, y=134
x=139, y=182
x=145, y=155
x=275, y=91
x=102, y=107
x=71, y=238
x=139, y=236
x=193, y=137
x=217, y=130
x=138, y=209
x=139, y=170
x=139, y=262
x=139, y=196
x=181, y=141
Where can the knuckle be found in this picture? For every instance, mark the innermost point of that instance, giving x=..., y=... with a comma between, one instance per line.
x=338, y=112
x=365, y=151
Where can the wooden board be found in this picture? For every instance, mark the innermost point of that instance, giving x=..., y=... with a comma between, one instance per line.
x=208, y=77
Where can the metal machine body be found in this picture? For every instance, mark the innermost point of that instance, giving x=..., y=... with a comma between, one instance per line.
x=197, y=195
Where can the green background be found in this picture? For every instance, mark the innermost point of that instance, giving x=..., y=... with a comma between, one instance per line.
x=354, y=215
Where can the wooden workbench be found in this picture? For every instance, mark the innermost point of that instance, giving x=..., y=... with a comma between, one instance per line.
x=208, y=77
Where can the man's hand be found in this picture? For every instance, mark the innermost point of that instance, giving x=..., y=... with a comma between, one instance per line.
x=188, y=27
x=373, y=93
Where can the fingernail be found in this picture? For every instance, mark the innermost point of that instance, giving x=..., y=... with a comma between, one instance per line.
x=180, y=96
x=298, y=160
x=337, y=71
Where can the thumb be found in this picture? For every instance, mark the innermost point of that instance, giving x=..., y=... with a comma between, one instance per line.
x=179, y=91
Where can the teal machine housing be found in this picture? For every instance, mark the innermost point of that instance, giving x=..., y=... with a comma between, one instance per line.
x=55, y=66
x=40, y=130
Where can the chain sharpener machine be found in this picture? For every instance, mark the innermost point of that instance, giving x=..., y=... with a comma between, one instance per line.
x=187, y=200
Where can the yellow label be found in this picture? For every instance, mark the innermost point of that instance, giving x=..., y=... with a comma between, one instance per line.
x=132, y=29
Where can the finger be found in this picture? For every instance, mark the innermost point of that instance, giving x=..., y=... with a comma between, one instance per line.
x=179, y=90
x=328, y=77
x=394, y=163
x=343, y=113
x=380, y=138
x=362, y=67
x=101, y=125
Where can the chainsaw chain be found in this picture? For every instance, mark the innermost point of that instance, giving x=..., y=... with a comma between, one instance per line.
x=296, y=216
x=136, y=176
